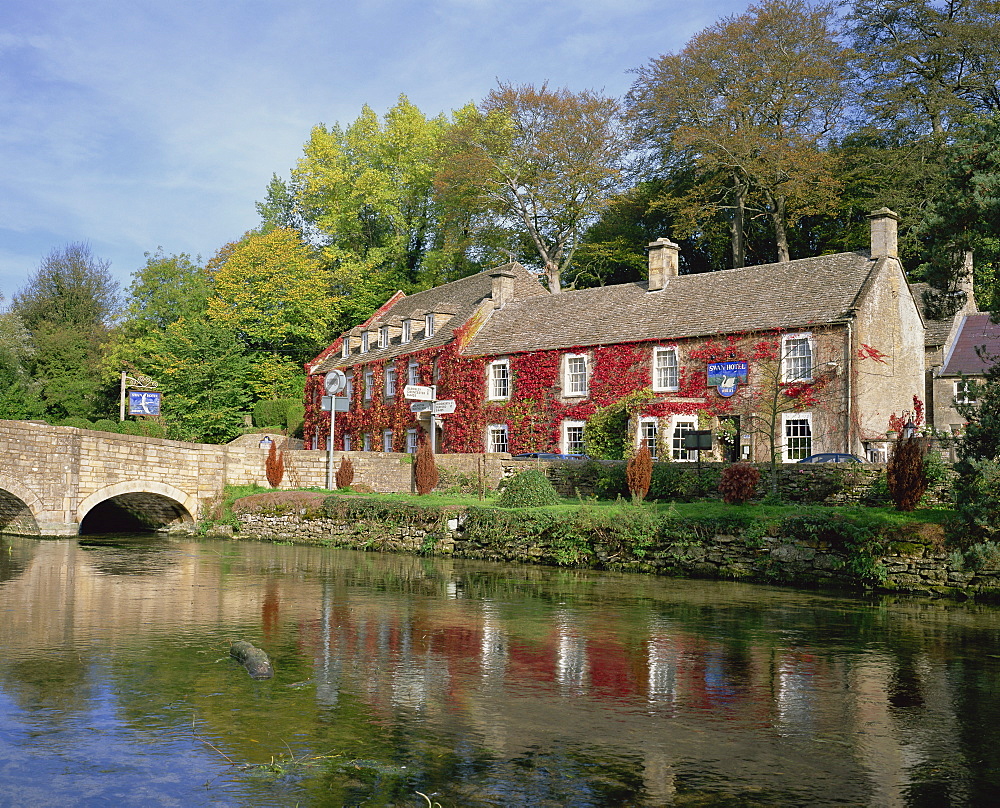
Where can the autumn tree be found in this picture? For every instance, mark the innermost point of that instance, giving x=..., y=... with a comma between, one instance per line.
x=751, y=101
x=365, y=194
x=925, y=64
x=274, y=295
x=539, y=165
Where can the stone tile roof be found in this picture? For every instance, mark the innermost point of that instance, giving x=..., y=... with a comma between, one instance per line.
x=975, y=330
x=935, y=331
x=460, y=299
x=796, y=294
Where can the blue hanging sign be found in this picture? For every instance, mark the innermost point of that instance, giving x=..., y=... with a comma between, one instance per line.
x=725, y=376
x=141, y=402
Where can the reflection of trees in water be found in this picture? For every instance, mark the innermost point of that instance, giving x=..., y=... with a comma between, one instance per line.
x=54, y=682
x=15, y=555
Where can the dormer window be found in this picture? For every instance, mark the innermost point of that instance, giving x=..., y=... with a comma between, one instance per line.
x=429, y=324
x=383, y=336
x=345, y=347
x=407, y=330
x=364, y=342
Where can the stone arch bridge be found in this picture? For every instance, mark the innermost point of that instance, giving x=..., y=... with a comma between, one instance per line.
x=57, y=480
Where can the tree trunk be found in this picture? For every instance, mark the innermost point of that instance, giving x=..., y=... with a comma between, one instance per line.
x=780, y=228
x=737, y=232
x=554, y=277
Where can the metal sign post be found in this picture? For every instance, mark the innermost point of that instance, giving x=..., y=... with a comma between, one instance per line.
x=427, y=401
x=333, y=383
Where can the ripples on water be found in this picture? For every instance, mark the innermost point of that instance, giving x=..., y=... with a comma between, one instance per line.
x=479, y=685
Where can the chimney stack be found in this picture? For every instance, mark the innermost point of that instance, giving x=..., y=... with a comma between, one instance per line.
x=503, y=287
x=883, y=224
x=664, y=261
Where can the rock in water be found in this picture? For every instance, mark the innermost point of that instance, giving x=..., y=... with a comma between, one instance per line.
x=253, y=659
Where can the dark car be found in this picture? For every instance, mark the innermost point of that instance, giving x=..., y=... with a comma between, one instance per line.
x=549, y=456
x=832, y=457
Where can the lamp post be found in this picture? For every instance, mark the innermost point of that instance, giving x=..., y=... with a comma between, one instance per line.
x=909, y=429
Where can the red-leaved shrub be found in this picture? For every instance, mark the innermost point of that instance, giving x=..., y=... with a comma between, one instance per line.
x=425, y=469
x=345, y=472
x=274, y=466
x=739, y=483
x=639, y=472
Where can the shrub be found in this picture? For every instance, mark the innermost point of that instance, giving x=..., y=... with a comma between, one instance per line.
x=295, y=418
x=977, y=497
x=739, y=483
x=76, y=420
x=527, y=489
x=345, y=472
x=639, y=472
x=268, y=413
x=105, y=425
x=905, y=474
x=425, y=469
x=274, y=466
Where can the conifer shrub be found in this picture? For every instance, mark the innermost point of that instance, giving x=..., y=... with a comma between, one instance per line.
x=425, y=469
x=295, y=417
x=272, y=413
x=527, y=489
x=738, y=484
x=345, y=472
x=639, y=472
x=905, y=474
x=274, y=466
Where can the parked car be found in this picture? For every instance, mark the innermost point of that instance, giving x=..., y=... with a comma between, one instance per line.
x=549, y=456
x=832, y=457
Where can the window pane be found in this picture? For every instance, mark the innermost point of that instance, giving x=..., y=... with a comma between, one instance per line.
x=390, y=382
x=387, y=440
x=574, y=439
x=500, y=380
x=576, y=375
x=648, y=432
x=666, y=369
x=678, y=452
x=798, y=359
x=411, y=441
x=406, y=331
x=798, y=438
x=498, y=439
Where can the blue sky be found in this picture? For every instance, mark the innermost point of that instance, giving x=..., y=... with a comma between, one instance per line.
x=133, y=124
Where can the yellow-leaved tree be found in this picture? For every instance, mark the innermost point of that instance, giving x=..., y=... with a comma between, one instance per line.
x=273, y=293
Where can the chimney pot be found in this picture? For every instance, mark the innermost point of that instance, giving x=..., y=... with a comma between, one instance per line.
x=664, y=260
x=503, y=287
x=883, y=233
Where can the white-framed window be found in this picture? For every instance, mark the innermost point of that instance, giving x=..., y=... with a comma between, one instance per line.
x=347, y=441
x=390, y=381
x=679, y=428
x=349, y=389
x=666, y=376
x=649, y=429
x=572, y=437
x=411, y=441
x=965, y=392
x=406, y=335
x=364, y=342
x=796, y=429
x=345, y=347
x=369, y=384
x=496, y=438
x=499, y=379
x=429, y=324
x=386, y=440
x=366, y=442
x=796, y=358
x=383, y=336
x=575, y=375
x=413, y=372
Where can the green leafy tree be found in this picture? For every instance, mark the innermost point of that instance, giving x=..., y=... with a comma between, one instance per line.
x=925, y=64
x=166, y=289
x=206, y=377
x=273, y=293
x=365, y=193
x=67, y=306
x=752, y=101
x=17, y=398
x=538, y=165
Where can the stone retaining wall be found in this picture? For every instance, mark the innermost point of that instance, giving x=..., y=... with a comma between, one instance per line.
x=914, y=565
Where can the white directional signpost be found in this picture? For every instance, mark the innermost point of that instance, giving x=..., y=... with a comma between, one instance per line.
x=425, y=400
x=333, y=383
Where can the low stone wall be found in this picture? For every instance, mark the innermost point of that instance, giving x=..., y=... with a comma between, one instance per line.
x=911, y=562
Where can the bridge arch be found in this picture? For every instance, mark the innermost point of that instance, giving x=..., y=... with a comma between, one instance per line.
x=154, y=504
x=20, y=507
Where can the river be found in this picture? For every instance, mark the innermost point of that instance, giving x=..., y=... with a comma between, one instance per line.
x=474, y=684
